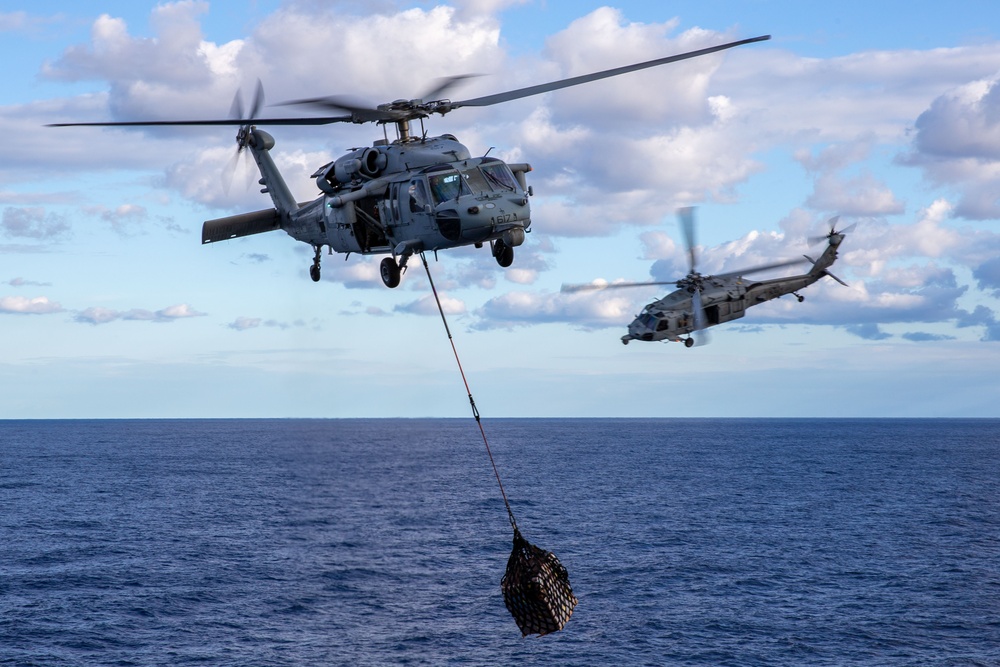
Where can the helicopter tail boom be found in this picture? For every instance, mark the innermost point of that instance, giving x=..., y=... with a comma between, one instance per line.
x=260, y=145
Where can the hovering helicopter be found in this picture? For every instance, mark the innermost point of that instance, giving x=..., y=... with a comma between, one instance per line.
x=401, y=197
x=704, y=301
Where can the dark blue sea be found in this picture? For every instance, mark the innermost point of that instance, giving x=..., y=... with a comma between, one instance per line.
x=382, y=542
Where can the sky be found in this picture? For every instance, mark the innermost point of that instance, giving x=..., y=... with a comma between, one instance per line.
x=884, y=114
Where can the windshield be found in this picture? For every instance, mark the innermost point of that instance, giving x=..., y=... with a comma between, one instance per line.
x=647, y=320
x=499, y=176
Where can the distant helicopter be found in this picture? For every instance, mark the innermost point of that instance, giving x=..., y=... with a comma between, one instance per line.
x=407, y=196
x=704, y=301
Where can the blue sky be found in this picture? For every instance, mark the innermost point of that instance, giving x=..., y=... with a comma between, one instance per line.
x=887, y=114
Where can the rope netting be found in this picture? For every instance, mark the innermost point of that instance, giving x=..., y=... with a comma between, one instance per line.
x=536, y=588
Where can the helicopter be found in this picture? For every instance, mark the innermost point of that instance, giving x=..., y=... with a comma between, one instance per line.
x=401, y=197
x=701, y=301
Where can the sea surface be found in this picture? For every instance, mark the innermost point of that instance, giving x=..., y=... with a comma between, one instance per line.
x=382, y=542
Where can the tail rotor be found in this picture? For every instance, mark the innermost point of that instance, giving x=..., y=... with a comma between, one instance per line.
x=833, y=240
x=243, y=135
x=832, y=223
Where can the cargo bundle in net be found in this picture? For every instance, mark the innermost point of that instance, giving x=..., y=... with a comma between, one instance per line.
x=536, y=589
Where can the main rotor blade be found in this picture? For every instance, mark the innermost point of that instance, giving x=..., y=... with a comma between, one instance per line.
x=443, y=85
x=489, y=100
x=700, y=334
x=359, y=112
x=686, y=214
x=231, y=121
x=589, y=287
x=762, y=267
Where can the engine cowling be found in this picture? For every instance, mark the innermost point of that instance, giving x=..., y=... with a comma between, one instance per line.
x=357, y=165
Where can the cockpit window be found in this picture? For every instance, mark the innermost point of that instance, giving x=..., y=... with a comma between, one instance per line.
x=449, y=185
x=499, y=176
x=477, y=182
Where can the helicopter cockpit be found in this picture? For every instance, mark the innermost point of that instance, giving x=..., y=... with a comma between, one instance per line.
x=473, y=200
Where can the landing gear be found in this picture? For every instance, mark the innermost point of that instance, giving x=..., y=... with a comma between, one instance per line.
x=799, y=297
x=503, y=253
x=390, y=272
x=689, y=342
x=314, y=269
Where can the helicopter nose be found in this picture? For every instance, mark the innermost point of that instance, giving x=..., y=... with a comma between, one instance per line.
x=476, y=223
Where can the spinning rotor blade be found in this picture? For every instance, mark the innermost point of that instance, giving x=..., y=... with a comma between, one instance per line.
x=316, y=120
x=444, y=84
x=686, y=215
x=592, y=287
x=762, y=267
x=489, y=100
x=832, y=222
x=365, y=113
x=359, y=112
x=243, y=136
x=700, y=327
x=236, y=117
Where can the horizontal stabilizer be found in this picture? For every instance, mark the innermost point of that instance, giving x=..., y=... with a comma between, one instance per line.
x=244, y=224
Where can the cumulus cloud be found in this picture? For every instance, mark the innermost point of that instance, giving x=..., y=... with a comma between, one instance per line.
x=20, y=305
x=588, y=311
x=99, y=315
x=957, y=143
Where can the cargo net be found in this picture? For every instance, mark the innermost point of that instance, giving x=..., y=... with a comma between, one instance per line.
x=536, y=589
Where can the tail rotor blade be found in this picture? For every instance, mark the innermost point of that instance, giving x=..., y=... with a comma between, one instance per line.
x=236, y=109
x=229, y=171
x=258, y=101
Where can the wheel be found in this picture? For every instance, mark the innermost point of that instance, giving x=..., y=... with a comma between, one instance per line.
x=800, y=298
x=314, y=273
x=689, y=342
x=390, y=272
x=503, y=252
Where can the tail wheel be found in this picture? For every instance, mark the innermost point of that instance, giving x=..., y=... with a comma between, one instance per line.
x=390, y=272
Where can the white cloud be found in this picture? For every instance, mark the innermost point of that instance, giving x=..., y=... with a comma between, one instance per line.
x=592, y=310
x=99, y=315
x=20, y=305
x=427, y=305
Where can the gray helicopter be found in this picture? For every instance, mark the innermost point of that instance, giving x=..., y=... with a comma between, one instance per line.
x=704, y=301
x=401, y=197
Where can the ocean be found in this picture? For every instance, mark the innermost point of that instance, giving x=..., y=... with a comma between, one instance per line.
x=383, y=541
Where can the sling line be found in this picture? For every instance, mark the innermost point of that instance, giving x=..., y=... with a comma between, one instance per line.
x=472, y=401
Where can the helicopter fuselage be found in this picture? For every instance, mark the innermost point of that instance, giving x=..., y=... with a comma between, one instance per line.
x=396, y=198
